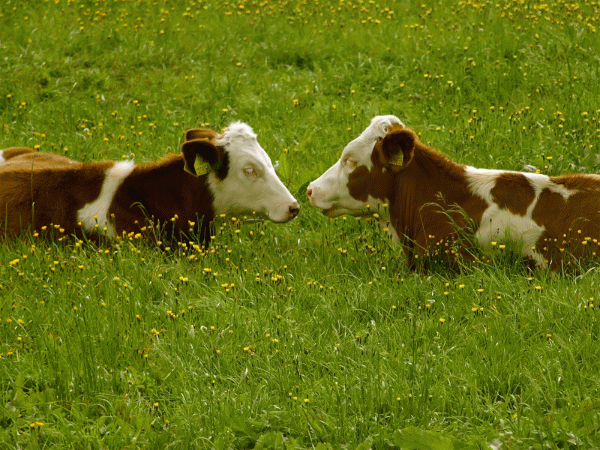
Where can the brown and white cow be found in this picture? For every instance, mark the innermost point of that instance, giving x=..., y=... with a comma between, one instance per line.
x=428, y=199
x=39, y=189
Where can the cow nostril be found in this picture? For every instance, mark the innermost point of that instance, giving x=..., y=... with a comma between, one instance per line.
x=294, y=210
x=309, y=193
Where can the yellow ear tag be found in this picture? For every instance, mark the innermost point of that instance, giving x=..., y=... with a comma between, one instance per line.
x=201, y=166
x=397, y=160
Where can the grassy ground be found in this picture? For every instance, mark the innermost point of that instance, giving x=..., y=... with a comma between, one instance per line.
x=310, y=334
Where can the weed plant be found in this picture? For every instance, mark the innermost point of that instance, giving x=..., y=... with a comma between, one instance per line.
x=311, y=334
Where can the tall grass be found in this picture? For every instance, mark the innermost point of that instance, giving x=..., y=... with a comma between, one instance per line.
x=311, y=334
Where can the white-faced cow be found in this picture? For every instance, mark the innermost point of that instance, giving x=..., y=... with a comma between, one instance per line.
x=110, y=198
x=430, y=199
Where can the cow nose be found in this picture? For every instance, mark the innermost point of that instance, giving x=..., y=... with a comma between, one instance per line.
x=294, y=209
x=309, y=193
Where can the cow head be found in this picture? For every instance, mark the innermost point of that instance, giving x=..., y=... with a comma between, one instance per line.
x=359, y=182
x=240, y=173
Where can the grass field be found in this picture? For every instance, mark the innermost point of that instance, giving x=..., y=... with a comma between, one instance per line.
x=311, y=334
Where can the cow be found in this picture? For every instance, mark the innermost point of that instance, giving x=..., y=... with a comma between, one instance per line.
x=215, y=174
x=432, y=202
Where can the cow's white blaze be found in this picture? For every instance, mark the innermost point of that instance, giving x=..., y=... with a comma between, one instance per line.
x=2, y=159
x=251, y=184
x=96, y=212
x=330, y=191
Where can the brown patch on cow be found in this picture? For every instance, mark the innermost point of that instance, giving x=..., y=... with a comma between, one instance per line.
x=572, y=226
x=376, y=182
x=546, y=207
x=579, y=182
x=544, y=214
x=474, y=207
x=35, y=193
x=156, y=192
x=359, y=183
x=580, y=212
x=514, y=192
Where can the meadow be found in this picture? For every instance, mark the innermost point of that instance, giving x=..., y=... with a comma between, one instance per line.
x=311, y=334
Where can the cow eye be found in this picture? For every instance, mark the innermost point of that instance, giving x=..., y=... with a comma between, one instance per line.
x=251, y=172
x=350, y=163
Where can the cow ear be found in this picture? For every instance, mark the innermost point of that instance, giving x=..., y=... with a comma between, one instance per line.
x=397, y=148
x=201, y=156
x=202, y=133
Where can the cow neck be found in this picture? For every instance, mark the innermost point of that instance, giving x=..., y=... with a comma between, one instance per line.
x=163, y=191
x=430, y=179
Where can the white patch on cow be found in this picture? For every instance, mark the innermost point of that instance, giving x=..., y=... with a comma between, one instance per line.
x=502, y=225
x=330, y=191
x=482, y=181
x=251, y=185
x=96, y=212
x=540, y=182
x=2, y=158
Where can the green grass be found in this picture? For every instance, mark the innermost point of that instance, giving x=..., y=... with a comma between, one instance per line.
x=311, y=334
